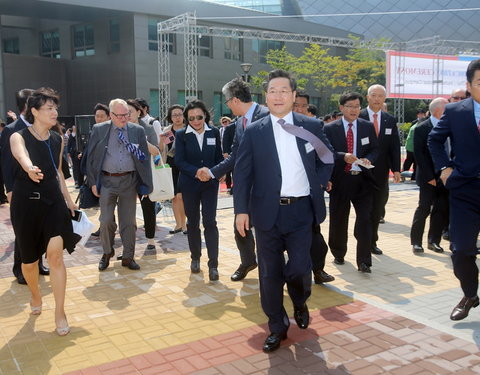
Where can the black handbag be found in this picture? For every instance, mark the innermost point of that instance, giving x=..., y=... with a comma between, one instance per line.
x=86, y=199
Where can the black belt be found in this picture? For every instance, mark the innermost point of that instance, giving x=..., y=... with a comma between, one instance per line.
x=285, y=201
x=116, y=174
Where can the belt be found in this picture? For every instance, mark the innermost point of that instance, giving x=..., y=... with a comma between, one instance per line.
x=34, y=195
x=353, y=173
x=116, y=174
x=285, y=201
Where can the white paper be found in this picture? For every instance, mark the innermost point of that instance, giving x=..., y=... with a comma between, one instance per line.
x=308, y=147
x=388, y=131
x=365, y=141
x=362, y=164
x=211, y=141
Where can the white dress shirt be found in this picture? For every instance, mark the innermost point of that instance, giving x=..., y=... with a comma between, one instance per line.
x=354, y=130
x=379, y=118
x=199, y=136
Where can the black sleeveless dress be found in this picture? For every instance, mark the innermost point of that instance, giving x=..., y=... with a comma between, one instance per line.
x=38, y=210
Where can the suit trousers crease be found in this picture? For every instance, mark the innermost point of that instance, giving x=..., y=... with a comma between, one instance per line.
x=246, y=246
x=318, y=250
x=206, y=196
x=118, y=192
x=379, y=200
x=464, y=231
x=356, y=191
x=292, y=232
x=433, y=201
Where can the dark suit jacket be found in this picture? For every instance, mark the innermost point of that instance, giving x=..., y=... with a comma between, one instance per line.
x=458, y=122
x=72, y=145
x=189, y=158
x=97, y=148
x=227, y=165
x=388, y=146
x=228, y=136
x=425, y=169
x=369, y=150
x=258, y=177
x=7, y=157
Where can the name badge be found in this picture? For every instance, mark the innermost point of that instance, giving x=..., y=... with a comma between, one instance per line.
x=365, y=141
x=211, y=141
x=388, y=131
x=308, y=147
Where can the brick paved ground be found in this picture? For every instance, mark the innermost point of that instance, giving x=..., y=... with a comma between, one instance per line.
x=164, y=320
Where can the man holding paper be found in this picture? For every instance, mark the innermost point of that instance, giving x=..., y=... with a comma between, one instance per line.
x=356, y=149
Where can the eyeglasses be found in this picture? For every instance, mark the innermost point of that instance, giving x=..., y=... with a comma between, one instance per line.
x=458, y=97
x=226, y=101
x=352, y=106
x=121, y=115
x=198, y=118
x=300, y=105
x=224, y=122
x=177, y=115
x=281, y=92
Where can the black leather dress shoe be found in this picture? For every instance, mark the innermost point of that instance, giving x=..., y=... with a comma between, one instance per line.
x=417, y=249
x=364, y=268
x=446, y=235
x=242, y=272
x=461, y=310
x=381, y=220
x=96, y=233
x=130, y=264
x=195, y=266
x=301, y=316
x=150, y=247
x=272, y=342
x=376, y=251
x=320, y=277
x=105, y=261
x=42, y=270
x=339, y=261
x=21, y=280
x=435, y=247
x=213, y=274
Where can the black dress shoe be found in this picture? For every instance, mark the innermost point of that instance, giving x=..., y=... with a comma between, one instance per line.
x=42, y=270
x=96, y=233
x=376, y=251
x=381, y=221
x=242, y=272
x=364, y=268
x=301, y=315
x=339, y=261
x=130, y=264
x=150, y=247
x=105, y=261
x=21, y=280
x=417, y=249
x=272, y=342
x=320, y=277
x=446, y=235
x=173, y=231
x=461, y=310
x=195, y=266
x=213, y=274
x=435, y=247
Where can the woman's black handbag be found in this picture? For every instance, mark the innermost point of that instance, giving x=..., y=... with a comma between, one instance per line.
x=86, y=198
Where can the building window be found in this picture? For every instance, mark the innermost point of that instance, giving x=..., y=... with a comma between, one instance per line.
x=205, y=46
x=114, y=36
x=154, y=103
x=261, y=47
x=153, y=37
x=50, y=44
x=83, y=40
x=219, y=107
x=11, y=46
x=233, y=49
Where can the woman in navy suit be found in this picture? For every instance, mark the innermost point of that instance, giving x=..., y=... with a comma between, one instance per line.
x=197, y=146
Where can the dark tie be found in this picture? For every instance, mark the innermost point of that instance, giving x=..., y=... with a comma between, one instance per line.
x=348, y=166
x=323, y=152
x=131, y=147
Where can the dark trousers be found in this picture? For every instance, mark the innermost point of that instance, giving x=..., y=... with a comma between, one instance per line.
x=379, y=200
x=76, y=169
x=408, y=163
x=318, y=250
x=207, y=195
x=149, y=217
x=357, y=191
x=433, y=201
x=292, y=232
x=228, y=180
x=3, y=196
x=246, y=247
x=464, y=230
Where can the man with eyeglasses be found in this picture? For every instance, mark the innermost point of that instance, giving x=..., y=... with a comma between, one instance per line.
x=356, y=150
x=118, y=167
x=457, y=95
x=461, y=176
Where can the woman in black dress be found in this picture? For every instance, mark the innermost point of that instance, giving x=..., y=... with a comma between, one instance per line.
x=40, y=217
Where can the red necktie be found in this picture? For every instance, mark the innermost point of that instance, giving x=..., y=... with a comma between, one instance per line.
x=348, y=166
x=375, y=123
x=244, y=122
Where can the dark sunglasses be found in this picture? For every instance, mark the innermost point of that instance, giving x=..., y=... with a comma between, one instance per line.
x=458, y=97
x=198, y=118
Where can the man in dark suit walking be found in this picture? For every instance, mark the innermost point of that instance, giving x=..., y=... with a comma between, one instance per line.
x=7, y=161
x=388, y=155
x=239, y=100
x=283, y=165
x=461, y=176
x=227, y=134
x=356, y=149
x=118, y=167
x=433, y=199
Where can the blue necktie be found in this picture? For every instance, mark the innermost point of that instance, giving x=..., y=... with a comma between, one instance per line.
x=131, y=147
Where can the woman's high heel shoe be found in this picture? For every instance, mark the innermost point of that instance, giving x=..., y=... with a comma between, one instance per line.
x=36, y=310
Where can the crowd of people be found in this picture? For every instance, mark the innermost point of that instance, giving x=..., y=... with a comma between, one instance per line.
x=280, y=160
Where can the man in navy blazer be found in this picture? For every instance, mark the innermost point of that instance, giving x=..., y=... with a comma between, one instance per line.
x=461, y=176
x=239, y=100
x=352, y=183
x=279, y=181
